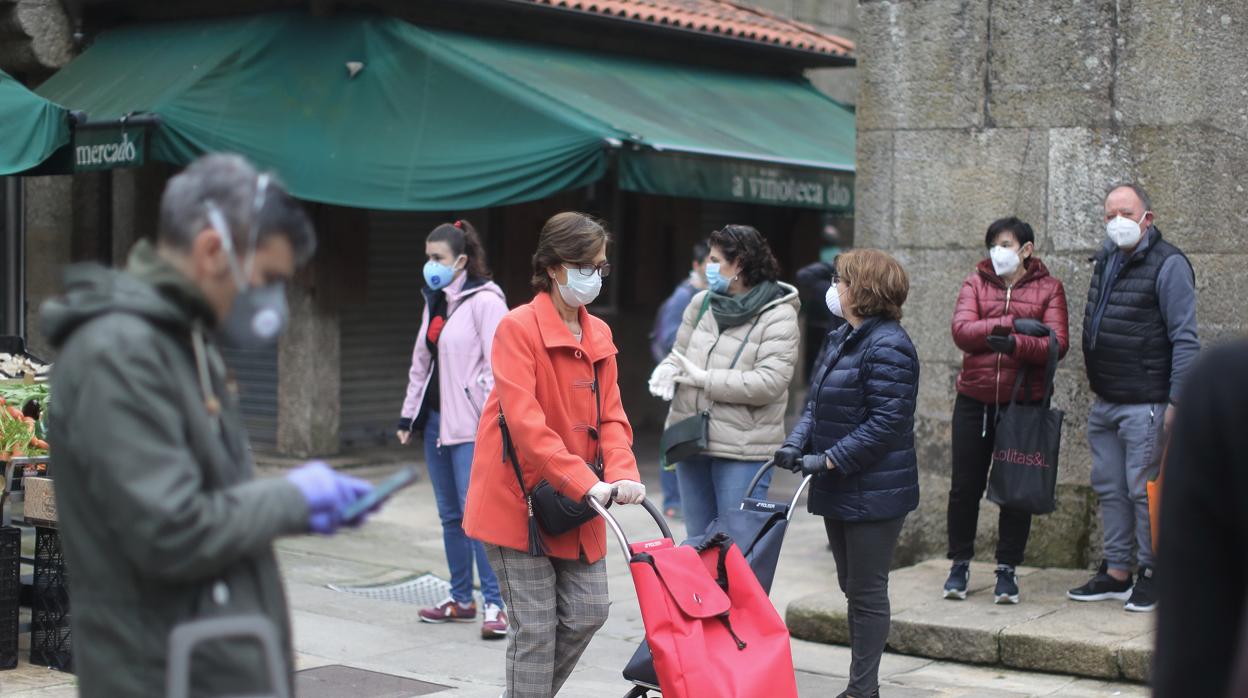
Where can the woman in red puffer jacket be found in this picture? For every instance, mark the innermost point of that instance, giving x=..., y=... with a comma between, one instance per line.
x=1001, y=323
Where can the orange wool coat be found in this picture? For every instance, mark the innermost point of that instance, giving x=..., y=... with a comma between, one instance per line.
x=543, y=380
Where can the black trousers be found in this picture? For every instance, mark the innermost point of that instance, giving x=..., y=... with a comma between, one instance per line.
x=863, y=552
x=972, y=454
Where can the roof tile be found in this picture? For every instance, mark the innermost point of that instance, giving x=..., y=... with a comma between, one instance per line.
x=715, y=17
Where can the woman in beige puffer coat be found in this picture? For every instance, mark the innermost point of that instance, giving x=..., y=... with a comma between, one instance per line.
x=734, y=356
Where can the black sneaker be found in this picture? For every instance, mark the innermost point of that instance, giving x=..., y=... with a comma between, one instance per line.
x=1143, y=599
x=1102, y=587
x=959, y=577
x=1007, y=585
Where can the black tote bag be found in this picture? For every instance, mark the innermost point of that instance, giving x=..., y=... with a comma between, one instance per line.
x=1025, y=451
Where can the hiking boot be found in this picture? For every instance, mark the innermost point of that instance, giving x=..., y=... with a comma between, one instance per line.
x=450, y=610
x=494, y=625
x=959, y=577
x=1143, y=597
x=1007, y=585
x=1102, y=587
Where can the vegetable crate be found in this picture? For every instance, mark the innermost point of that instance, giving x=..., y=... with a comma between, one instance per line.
x=10, y=593
x=49, y=627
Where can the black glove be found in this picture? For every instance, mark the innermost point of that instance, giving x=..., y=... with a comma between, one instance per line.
x=1001, y=344
x=789, y=458
x=1035, y=328
x=814, y=464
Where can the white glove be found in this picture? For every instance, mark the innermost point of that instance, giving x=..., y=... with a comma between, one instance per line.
x=693, y=374
x=662, y=381
x=601, y=491
x=629, y=492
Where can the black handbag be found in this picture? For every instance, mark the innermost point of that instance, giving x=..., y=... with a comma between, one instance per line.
x=690, y=436
x=550, y=511
x=1026, y=448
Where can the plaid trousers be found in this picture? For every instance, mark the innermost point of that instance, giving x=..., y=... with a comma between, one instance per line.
x=554, y=608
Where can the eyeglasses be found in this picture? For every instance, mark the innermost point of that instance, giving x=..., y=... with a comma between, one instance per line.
x=587, y=270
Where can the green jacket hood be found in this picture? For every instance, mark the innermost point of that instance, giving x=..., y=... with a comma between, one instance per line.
x=150, y=288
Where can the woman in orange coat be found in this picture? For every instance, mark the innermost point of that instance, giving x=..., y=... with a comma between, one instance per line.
x=555, y=384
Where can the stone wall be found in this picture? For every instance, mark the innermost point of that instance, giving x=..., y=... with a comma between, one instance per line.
x=971, y=110
x=839, y=17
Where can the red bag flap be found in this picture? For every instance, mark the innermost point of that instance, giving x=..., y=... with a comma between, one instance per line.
x=648, y=546
x=685, y=579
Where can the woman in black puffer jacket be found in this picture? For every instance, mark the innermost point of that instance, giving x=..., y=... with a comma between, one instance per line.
x=856, y=436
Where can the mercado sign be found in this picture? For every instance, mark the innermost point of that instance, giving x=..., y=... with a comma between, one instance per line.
x=697, y=176
x=109, y=147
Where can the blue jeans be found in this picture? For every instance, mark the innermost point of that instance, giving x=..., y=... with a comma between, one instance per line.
x=449, y=468
x=671, y=488
x=710, y=485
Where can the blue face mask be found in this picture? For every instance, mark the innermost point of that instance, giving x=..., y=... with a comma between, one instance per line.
x=715, y=280
x=438, y=276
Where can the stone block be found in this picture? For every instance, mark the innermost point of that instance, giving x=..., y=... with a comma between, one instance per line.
x=965, y=631
x=818, y=618
x=949, y=185
x=840, y=84
x=49, y=233
x=936, y=276
x=1082, y=163
x=837, y=16
x=932, y=416
x=1135, y=658
x=922, y=64
x=308, y=410
x=924, y=534
x=1079, y=638
x=1220, y=310
x=873, y=189
x=1193, y=174
x=1183, y=62
x=1060, y=539
x=1050, y=64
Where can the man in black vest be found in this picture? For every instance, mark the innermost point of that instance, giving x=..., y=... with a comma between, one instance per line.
x=1139, y=340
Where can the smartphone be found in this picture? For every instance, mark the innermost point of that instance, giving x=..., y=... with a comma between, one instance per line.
x=1002, y=330
x=380, y=493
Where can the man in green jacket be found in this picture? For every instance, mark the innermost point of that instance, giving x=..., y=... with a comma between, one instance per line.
x=161, y=518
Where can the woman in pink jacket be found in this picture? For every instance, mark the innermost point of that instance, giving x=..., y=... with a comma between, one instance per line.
x=448, y=383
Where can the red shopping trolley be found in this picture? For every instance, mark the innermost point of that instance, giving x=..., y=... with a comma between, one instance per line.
x=710, y=626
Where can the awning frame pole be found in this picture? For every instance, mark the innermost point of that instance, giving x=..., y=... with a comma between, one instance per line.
x=13, y=257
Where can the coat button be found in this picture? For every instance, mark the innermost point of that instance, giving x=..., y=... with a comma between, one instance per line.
x=220, y=593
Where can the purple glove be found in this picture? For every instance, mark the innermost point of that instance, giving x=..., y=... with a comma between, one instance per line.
x=327, y=494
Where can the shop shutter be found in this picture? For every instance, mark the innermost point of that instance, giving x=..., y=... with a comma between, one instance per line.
x=377, y=334
x=256, y=374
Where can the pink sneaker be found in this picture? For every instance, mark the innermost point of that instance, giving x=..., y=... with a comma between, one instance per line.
x=494, y=626
x=450, y=610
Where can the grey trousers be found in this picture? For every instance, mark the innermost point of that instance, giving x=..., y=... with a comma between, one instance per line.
x=554, y=608
x=863, y=553
x=1125, y=442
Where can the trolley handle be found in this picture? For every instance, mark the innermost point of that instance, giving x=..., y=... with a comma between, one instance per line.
x=758, y=477
x=614, y=525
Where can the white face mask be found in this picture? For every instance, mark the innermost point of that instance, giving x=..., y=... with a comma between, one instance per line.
x=833, y=299
x=1005, y=260
x=580, y=289
x=1124, y=232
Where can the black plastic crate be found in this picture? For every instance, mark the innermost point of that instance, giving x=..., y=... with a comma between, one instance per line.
x=49, y=624
x=10, y=593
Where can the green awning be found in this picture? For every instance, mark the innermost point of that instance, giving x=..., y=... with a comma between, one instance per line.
x=31, y=127
x=373, y=112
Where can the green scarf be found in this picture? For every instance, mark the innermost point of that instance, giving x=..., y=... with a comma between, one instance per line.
x=731, y=311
